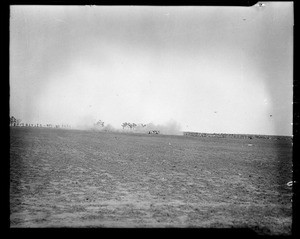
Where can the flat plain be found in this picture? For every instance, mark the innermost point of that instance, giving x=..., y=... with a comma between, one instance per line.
x=72, y=178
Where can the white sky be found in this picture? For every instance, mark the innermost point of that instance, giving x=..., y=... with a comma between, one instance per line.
x=211, y=69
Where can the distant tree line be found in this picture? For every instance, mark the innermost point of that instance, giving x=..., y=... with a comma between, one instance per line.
x=18, y=122
x=13, y=121
x=131, y=126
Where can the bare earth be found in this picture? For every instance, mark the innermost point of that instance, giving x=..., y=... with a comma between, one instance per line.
x=70, y=178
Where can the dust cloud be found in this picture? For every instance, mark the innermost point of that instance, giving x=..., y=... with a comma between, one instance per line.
x=170, y=127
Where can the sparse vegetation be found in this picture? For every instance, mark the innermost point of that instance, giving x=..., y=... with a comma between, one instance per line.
x=100, y=123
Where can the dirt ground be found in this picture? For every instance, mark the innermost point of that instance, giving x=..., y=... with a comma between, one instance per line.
x=70, y=178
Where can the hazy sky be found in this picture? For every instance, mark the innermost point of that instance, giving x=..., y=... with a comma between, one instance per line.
x=211, y=69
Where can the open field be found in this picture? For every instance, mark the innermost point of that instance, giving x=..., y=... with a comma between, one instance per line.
x=70, y=178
